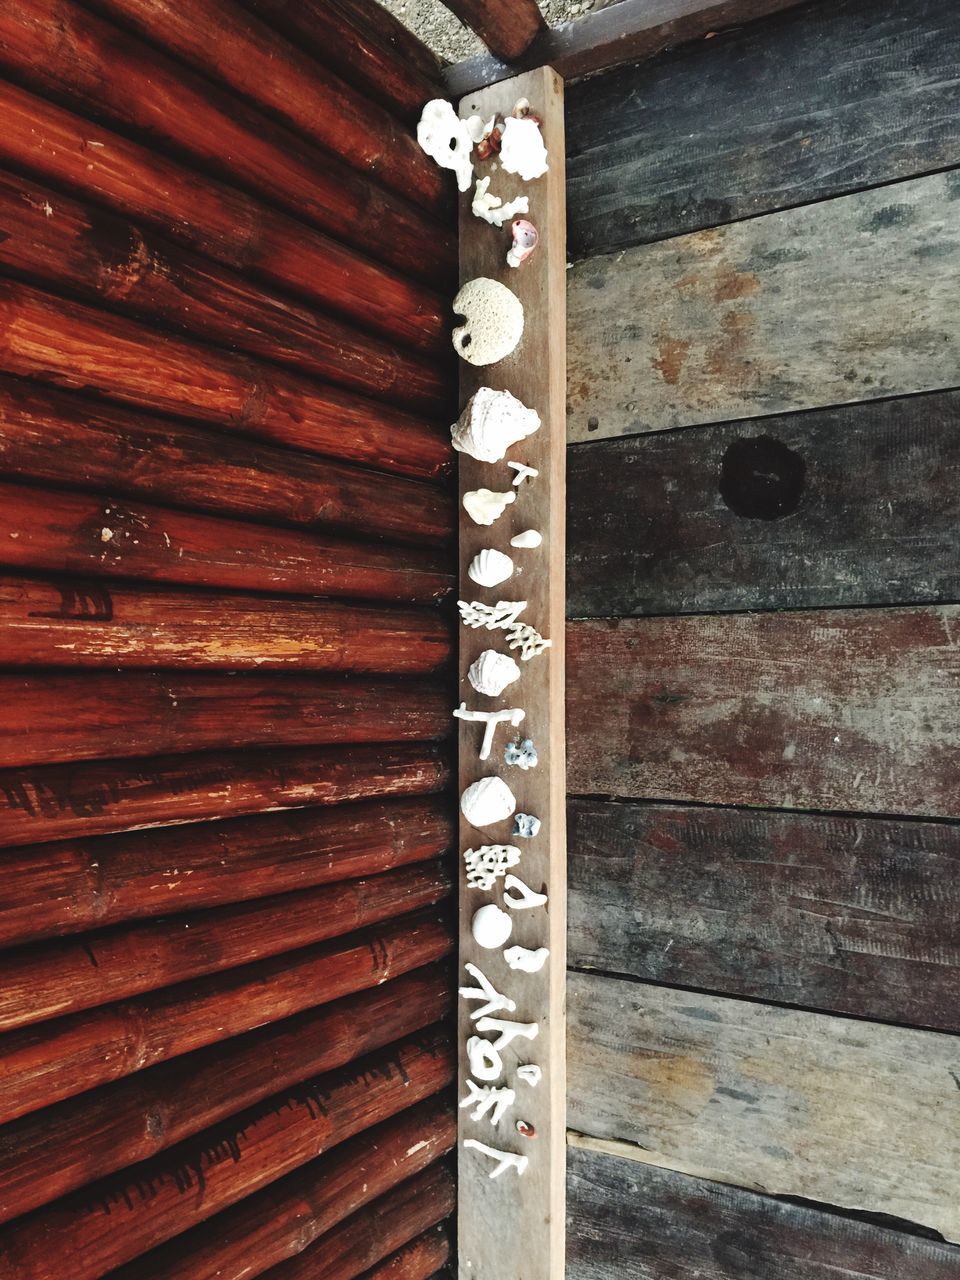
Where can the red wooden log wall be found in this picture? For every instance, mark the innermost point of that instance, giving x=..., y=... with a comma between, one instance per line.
x=225, y=545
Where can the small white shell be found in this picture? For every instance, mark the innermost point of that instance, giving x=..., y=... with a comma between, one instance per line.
x=526, y=237
x=488, y=801
x=530, y=1074
x=483, y=506
x=492, y=672
x=529, y=538
x=526, y=961
x=522, y=148
x=493, y=317
x=489, y=567
x=491, y=422
x=491, y=927
x=446, y=139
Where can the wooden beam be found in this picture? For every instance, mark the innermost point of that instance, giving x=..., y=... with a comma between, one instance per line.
x=47, y=1155
x=846, y=1112
x=528, y=1209
x=506, y=27
x=625, y=32
x=423, y=1258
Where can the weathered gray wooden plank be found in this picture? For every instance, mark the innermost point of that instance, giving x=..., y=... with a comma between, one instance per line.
x=850, y=1113
x=836, y=709
x=849, y=506
x=631, y=1220
x=848, y=915
x=814, y=103
x=850, y=299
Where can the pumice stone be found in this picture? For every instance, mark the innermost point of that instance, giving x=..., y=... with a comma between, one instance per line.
x=489, y=568
x=491, y=927
x=492, y=672
x=488, y=801
x=491, y=422
x=447, y=139
x=493, y=317
x=483, y=506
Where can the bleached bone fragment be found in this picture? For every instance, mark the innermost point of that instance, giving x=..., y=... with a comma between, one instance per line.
x=491, y=422
x=493, y=321
x=522, y=149
x=522, y=754
x=491, y=927
x=530, y=1074
x=492, y=209
x=505, y=1159
x=446, y=139
x=520, y=897
x=490, y=567
x=508, y=1031
x=485, y=1061
x=486, y=991
x=495, y=617
x=487, y=864
x=529, y=538
x=526, y=826
x=523, y=473
x=486, y=1098
x=487, y=801
x=511, y=715
x=525, y=961
x=526, y=237
x=484, y=506
x=492, y=672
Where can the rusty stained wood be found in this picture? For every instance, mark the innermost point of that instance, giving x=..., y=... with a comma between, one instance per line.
x=851, y=710
x=846, y=300
x=528, y=1209
x=848, y=915
x=849, y=1113
x=631, y=1219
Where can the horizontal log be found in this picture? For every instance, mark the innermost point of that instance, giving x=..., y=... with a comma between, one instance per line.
x=55, y=978
x=91, y=536
x=58, y=801
x=820, y=102
x=849, y=506
x=66, y=1146
x=111, y=1222
x=230, y=46
x=64, y=244
x=627, y=1218
x=55, y=718
x=70, y=345
x=58, y=49
x=849, y=710
x=105, y=447
x=848, y=915
x=376, y=1230
x=852, y=1114
x=506, y=27
x=364, y=44
x=71, y=886
x=420, y=1260
x=46, y=1064
x=89, y=624
x=229, y=226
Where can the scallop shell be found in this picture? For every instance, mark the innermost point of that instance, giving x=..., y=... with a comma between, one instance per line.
x=489, y=568
x=491, y=927
x=488, y=801
x=491, y=422
x=492, y=672
x=483, y=506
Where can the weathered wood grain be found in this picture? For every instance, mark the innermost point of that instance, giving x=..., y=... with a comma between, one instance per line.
x=55, y=718
x=633, y=1219
x=506, y=27
x=70, y=1144
x=58, y=801
x=841, y=301
x=821, y=101
x=849, y=1113
x=850, y=710
x=848, y=915
x=423, y=1258
x=869, y=513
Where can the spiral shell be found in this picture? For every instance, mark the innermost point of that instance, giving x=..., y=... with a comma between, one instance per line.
x=492, y=672
x=489, y=567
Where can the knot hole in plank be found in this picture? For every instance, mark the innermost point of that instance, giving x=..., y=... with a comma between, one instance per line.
x=761, y=479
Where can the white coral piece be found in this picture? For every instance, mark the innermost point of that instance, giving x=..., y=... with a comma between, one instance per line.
x=493, y=321
x=484, y=506
x=492, y=209
x=522, y=150
x=446, y=139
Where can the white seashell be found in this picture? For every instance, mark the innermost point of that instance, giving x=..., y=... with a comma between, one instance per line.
x=491, y=208
x=447, y=139
x=529, y=538
x=491, y=422
x=489, y=567
x=530, y=1074
x=522, y=148
x=493, y=325
x=483, y=506
x=488, y=801
x=526, y=961
x=492, y=672
x=526, y=237
x=491, y=927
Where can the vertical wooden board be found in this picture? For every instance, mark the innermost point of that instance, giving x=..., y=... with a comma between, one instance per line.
x=849, y=1113
x=628, y=1219
x=850, y=299
x=849, y=915
x=817, y=102
x=513, y=1226
x=853, y=710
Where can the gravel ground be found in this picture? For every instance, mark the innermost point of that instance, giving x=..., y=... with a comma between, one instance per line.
x=448, y=37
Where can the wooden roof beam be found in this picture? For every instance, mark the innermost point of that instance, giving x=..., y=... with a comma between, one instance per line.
x=507, y=27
